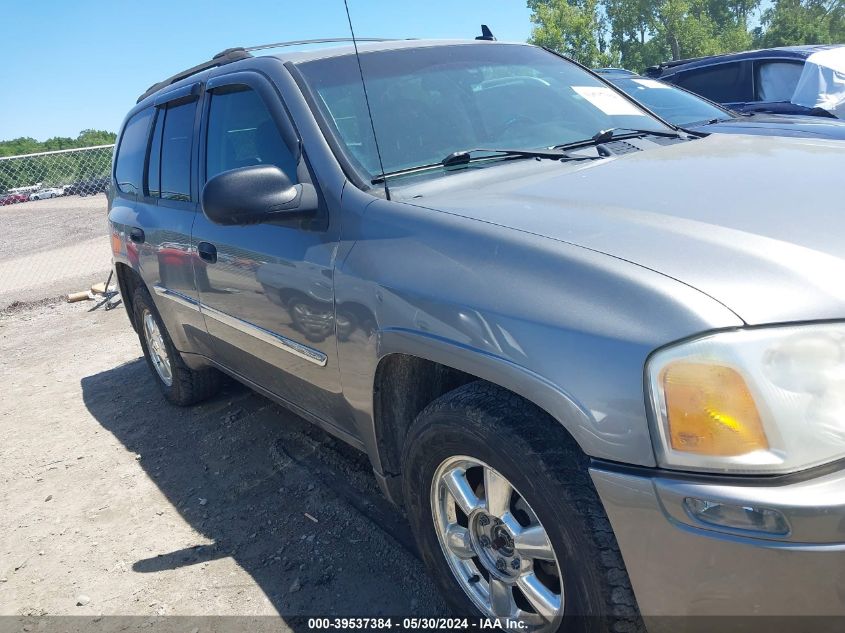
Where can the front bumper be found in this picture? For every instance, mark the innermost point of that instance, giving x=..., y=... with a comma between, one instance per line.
x=679, y=566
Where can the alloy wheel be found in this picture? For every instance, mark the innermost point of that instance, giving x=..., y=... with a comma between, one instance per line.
x=157, y=349
x=498, y=550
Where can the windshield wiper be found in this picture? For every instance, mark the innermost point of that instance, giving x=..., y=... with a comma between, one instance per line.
x=466, y=156
x=605, y=136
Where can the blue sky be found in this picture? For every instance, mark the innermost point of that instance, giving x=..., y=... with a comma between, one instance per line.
x=81, y=64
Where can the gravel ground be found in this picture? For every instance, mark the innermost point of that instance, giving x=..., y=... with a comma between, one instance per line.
x=41, y=225
x=116, y=503
x=50, y=248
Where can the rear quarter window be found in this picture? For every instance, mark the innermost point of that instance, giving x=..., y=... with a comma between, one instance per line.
x=776, y=80
x=129, y=164
x=723, y=83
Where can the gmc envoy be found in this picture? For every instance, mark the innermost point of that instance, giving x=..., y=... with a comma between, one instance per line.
x=597, y=360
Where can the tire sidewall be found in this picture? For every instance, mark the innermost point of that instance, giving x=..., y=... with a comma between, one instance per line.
x=442, y=435
x=142, y=302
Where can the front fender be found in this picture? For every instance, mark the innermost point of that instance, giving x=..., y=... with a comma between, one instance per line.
x=503, y=372
x=567, y=328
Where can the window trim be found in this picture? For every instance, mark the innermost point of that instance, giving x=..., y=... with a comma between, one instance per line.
x=184, y=94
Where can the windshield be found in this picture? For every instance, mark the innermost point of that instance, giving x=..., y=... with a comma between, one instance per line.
x=428, y=102
x=676, y=106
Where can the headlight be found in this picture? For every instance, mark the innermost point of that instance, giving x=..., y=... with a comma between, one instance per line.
x=767, y=400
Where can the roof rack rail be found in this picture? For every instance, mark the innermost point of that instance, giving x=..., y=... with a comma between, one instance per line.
x=332, y=40
x=236, y=54
x=220, y=59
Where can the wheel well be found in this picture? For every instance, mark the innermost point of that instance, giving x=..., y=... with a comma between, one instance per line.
x=128, y=280
x=404, y=386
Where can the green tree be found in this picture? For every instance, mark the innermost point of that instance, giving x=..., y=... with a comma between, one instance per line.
x=793, y=22
x=638, y=33
x=27, y=145
x=572, y=27
x=631, y=33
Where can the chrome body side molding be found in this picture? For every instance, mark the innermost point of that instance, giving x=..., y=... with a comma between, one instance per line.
x=178, y=297
x=282, y=342
x=271, y=338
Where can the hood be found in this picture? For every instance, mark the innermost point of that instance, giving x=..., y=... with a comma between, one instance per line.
x=757, y=223
x=778, y=125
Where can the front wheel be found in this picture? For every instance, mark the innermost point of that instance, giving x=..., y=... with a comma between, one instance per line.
x=507, y=519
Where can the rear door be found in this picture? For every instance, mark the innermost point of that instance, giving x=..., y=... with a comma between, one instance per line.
x=267, y=290
x=166, y=207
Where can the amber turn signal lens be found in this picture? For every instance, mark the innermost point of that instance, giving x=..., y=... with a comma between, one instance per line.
x=710, y=410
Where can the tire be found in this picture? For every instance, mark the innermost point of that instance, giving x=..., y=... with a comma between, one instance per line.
x=186, y=386
x=548, y=475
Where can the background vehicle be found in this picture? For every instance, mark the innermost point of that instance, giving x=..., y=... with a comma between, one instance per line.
x=787, y=80
x=44, y=194
x=522, y=246
x=13, y=198
x=87, y=187
x=692, y=112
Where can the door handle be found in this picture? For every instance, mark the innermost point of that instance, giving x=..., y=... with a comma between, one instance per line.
x=137, y=235
x=207, y=252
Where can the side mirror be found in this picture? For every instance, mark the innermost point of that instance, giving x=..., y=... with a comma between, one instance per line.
x=259, y=193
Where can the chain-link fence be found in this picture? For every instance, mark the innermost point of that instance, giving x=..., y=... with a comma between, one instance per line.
x=53, y=231
x=69, y=172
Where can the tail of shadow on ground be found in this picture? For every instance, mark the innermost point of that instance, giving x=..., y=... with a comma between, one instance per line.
x=244, y=473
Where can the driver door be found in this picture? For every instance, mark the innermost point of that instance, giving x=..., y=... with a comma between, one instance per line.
x=267, y=290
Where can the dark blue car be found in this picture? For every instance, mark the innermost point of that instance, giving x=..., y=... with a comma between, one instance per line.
x=753, y=81
x=692, y=112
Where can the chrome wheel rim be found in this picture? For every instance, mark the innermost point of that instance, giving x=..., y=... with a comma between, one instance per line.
x=498, y=550
x=157, y=349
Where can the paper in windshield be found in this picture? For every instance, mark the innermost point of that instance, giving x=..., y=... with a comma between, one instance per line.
x=651, y=83
x=608, y=101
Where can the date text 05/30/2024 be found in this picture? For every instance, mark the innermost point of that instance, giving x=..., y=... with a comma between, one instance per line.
x=434, y=624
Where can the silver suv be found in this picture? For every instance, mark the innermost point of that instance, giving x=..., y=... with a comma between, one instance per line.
x=599, y=361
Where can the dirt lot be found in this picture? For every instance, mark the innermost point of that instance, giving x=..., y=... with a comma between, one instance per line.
x=116, y=503
x=51, y=247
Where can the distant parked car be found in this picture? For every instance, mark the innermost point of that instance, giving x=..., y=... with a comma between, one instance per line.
x=13, y=198
x=692, y=112
x=44, y=194
x=87, y=187
x=808, y=80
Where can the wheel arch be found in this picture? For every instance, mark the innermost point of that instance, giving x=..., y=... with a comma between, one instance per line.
x=128, y=279
x=415, y=369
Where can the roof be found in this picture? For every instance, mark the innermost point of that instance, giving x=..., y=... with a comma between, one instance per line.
x=365, y=45
x=782, y=52
x=298, y=57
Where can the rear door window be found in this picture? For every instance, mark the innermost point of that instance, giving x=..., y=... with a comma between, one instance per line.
x=723, y=83
x=129, y=164
x=176, y=145
x=776, y=80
